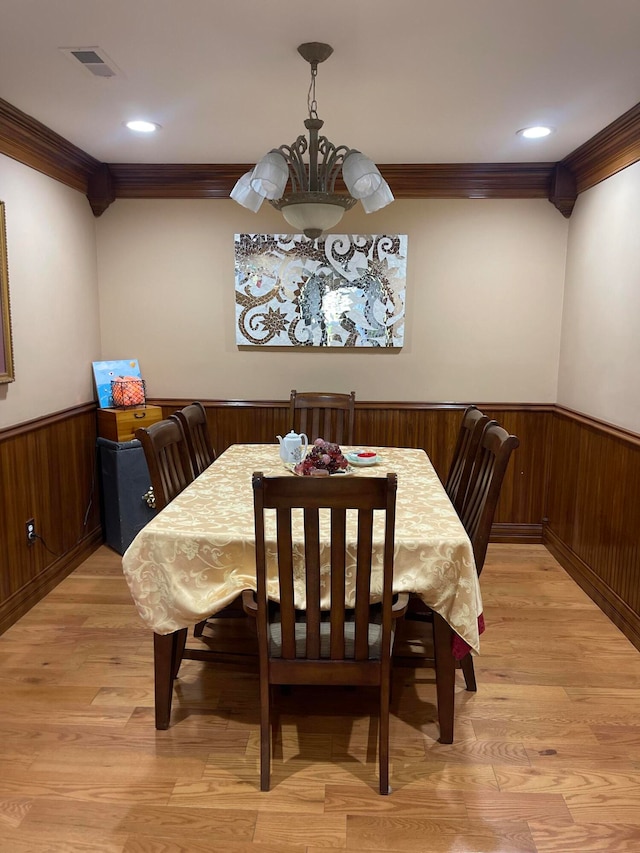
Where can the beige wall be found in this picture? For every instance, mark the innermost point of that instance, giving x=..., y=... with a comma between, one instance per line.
x=600, y=354
x=484, y=303
x=51, y=248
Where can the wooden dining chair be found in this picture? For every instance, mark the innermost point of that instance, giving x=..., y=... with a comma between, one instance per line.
x=165, y=449
x=341, y=646
x=479, y=506
x=196, y=430
x=321, y=414
x=170, y=470
x=473, y=422
x=477, y=512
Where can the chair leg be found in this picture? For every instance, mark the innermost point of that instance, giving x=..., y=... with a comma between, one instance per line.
x=265, y=733
x=445, y=676
x=199, y=628
x=178, y=650
x=163, y=662
x=466, y=665
x=383, y=748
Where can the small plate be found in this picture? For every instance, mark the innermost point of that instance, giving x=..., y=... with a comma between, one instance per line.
x=362, y=461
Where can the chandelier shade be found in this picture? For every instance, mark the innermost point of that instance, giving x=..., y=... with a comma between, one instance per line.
x=361, y=175
x=270, y=176
x=244, y=195
x=379, y=199
x=299, y=179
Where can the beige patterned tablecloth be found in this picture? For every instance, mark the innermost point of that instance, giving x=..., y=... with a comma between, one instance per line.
x=196, y=555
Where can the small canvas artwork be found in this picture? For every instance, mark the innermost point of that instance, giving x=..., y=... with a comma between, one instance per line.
x=336, y=291
x=106, y=371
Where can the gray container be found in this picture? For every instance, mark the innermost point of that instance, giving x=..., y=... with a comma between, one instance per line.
x=124, y=480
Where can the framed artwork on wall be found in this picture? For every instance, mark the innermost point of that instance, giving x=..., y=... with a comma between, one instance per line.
x=6, y=344
x=340, y=290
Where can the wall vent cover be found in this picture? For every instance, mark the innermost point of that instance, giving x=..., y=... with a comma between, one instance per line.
x=93, y=59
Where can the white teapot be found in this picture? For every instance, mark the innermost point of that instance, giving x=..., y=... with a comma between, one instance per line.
x=293, y=447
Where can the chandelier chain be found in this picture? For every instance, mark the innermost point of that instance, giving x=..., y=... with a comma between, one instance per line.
x=312, y=104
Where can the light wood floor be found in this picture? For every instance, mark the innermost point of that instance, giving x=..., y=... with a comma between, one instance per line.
x=546, y=755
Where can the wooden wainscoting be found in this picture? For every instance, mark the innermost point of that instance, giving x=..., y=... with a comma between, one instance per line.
x=572, y=483
x=593, y=511
x=47, y=472
x=431, y=426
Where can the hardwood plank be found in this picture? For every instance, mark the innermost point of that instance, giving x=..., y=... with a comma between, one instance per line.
x=287, y=829
x=160, y=821
x=551, y=836
x=515, y=806
x=43, y=839
x=411, y=834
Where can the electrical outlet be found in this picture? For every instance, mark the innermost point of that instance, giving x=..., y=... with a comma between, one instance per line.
x=30, y=527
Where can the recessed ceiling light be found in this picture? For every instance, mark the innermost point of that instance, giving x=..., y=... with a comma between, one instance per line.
x=140, y=126
x=537, y=132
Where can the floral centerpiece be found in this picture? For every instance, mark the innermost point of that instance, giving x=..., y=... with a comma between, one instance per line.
x=323, y=459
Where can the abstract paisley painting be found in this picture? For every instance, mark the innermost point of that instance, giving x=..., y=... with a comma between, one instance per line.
x=340, y=290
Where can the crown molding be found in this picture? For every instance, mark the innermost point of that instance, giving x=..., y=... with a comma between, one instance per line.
x=609, y=151
x=28, y=141
x=417, y=180
x=618, y=145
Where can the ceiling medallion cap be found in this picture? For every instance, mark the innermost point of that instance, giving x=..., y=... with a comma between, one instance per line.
x=315, y=51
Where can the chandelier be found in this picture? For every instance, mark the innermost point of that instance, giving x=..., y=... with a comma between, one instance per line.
x=310, y=203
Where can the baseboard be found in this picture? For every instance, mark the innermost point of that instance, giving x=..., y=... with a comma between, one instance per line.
x=607, y=600
x=35, y=590
x=517, y=534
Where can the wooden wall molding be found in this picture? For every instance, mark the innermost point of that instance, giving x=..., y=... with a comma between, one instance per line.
x=612, y=149
x=174, y=403
x=28, y=141
x=409, y=181
x=616, y=432
x=35, y=589
x=564, y=192
x=613, y=605
x=517, y=534
x=44, y=421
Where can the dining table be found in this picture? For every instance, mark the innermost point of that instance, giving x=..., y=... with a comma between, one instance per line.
x=197, y=555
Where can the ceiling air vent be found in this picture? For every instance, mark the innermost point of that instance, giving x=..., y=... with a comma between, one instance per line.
x=93, y=59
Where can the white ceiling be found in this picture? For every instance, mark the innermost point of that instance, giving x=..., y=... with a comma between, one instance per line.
x=410, y=81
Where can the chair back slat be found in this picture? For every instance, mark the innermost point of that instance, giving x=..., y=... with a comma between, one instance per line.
x=196, y=429
x=285, y=581
x=363, y=583
x=312, y=580
x=322, y=414
x=167, y=456
x=338, y=581
x=485, y=483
